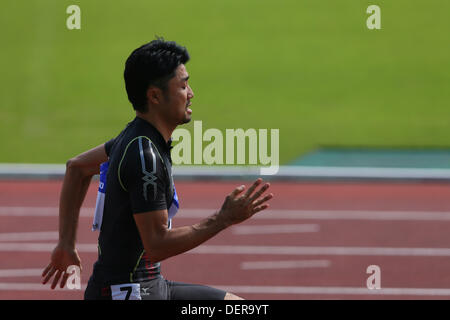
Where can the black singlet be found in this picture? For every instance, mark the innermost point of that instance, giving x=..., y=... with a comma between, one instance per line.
x=139, y=179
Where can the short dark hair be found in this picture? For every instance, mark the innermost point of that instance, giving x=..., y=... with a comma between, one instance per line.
x=153, y=63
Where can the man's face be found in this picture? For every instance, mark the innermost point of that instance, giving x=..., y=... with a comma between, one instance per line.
x=178, y=97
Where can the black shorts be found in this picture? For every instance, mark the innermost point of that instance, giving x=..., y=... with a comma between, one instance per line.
x=155, y=289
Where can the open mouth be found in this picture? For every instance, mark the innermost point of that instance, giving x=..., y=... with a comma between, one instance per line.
x=189, y=110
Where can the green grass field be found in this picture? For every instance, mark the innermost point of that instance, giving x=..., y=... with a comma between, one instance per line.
x=309, y=68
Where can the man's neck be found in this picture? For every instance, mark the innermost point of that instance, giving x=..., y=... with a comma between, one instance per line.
x=156, y=121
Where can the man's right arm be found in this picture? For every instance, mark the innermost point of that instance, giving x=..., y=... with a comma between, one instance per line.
x=79, y=171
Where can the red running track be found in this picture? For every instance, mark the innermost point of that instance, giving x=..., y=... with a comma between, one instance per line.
x=316, y=241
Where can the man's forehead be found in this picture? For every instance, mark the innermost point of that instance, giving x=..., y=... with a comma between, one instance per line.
x=181, y=72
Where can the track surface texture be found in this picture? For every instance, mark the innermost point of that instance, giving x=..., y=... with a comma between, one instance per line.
x=316, y=241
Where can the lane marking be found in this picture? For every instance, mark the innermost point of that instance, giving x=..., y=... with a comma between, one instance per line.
x=275, y=229
x=370, y=215
x=41, y=247
x=39, y=212
x=289, y=264
x=257, y=250
x=22, y=286
x=29, y=236
x=10, y=273
x=269, y=214
x=335, y=290
x=339, y=251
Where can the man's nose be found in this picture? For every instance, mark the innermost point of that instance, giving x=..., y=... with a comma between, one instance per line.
x=190, y=92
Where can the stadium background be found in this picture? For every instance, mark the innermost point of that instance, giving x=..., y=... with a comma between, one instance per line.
x=309, y=68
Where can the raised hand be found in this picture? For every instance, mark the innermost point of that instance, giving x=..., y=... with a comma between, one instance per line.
x=238, y=208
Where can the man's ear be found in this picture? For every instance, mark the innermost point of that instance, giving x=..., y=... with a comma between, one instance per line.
x=154, y=95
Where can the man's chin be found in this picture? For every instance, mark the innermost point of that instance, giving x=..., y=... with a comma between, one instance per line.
x=186, y=120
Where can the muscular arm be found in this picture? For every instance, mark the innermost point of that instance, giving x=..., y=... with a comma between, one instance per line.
x=79, y=172
x=161, y=243
x=144, y=178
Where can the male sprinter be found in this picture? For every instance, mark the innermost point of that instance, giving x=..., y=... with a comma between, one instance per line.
x=140, y=201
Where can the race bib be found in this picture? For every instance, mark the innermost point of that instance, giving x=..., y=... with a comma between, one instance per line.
x=127, y=291
x=100, y=203
x=175, y=204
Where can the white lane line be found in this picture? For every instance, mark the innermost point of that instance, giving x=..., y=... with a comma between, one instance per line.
x=339, y=251
x=269, y=214
x=29, y=236
x=275, y=229
x=39, y=212
x=8, y=273
x=370, y=215
x=335, y=290
x=41, y=247
x=23, y=286
x=257, y=250
x=289, y=264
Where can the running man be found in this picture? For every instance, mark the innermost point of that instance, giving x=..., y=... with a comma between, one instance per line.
x=140, y=199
